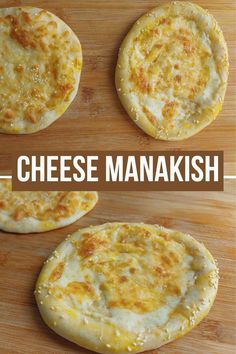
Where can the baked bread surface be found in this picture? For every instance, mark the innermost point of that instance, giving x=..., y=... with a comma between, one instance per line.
x=123, y=287
x=26, y=212
x=40, y=66
x=172, y=71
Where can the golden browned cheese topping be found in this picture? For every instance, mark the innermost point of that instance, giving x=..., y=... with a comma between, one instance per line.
x=130, y=267
x=169, y=62
x=39, y=67
x=43, y=206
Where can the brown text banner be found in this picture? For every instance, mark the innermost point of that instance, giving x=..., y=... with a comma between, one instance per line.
x=118, y=171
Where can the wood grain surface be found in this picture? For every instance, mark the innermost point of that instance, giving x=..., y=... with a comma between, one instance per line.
x=210, y=217
x=96, y=119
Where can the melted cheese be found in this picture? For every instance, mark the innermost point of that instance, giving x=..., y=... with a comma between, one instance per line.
x=135, y=278
x=45, y=208
x=40, y=64
x=168, y=72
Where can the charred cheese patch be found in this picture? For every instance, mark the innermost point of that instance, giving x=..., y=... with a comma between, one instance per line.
x=40, y=67
x=120, y=288
x=172, y=71
x=26, y=212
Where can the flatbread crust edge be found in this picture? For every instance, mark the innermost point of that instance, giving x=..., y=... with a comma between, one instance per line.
x=49, y=117
x=71, y=325
x=210, y=25
x=31, y=225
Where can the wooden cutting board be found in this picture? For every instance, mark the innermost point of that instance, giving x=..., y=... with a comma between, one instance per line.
x=96, y=120
x=210, y=217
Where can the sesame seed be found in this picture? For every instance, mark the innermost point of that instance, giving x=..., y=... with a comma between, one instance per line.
x=108, y=345
x=129, y=349
x=54, y=323
x=55, y=254
x=41, y=302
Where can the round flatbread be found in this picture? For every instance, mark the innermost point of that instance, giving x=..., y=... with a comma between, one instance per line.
x=27, y=212
x=40, y=65
x=120, y=288
x=172, y=71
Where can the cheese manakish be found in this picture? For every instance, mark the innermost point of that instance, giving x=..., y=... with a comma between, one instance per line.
x=40, y=65
x=172, y=71
x=126, y=288
x=26, y=212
